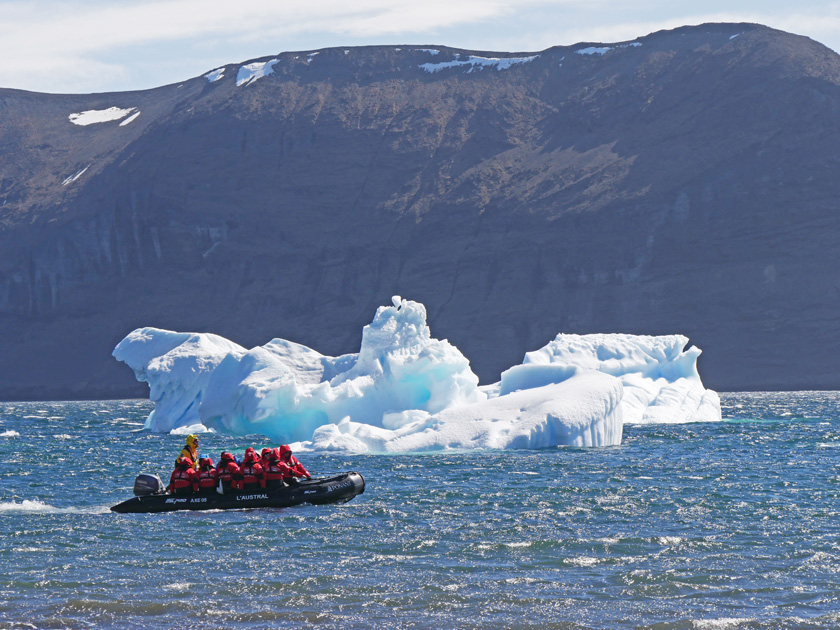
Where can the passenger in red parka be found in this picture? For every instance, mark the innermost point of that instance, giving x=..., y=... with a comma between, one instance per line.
x=228, y=472
x=264, y=457
x=292, y=468
x=183, y=479
x=251, y=472
x=275, y=472
x=207, y=476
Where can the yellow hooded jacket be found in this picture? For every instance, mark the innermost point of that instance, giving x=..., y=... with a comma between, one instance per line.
x=190, y=450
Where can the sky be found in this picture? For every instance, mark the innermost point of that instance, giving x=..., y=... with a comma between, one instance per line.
x=82, y=46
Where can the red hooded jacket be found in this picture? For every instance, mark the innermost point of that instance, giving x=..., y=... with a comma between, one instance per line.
x=207, y=477
x=228, y=472
x=251, y=473
x=183, y=479
x=290, y=466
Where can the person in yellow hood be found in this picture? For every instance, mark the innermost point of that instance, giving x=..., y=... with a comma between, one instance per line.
x=190, y=450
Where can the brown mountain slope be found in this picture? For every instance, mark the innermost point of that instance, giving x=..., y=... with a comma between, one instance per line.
x=686, y=182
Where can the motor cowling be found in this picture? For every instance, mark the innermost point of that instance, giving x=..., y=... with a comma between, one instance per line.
x=146, y=484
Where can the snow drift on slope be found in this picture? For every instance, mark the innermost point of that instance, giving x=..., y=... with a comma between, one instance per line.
x=94, y=116
x=406, y=391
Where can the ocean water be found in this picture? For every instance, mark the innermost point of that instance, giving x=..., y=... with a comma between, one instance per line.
x=730, y=525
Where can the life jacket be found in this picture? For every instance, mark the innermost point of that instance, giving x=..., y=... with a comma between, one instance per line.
x=228, y=472
x=188, y=452
x=275, y=473
x=182, y=481
x=251, y=475
x=207, y=479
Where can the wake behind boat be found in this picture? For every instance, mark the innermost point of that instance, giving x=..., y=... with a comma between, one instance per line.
x=338, y=489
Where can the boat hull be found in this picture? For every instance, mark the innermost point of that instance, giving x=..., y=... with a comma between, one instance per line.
x=339, y=489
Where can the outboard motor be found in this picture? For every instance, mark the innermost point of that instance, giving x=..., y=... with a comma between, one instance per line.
x=147, y=484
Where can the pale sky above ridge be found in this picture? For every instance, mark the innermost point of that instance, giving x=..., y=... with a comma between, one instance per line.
x=82, y=46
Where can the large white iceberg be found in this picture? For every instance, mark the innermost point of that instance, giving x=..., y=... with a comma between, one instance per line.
x=584, y=410
x=177, y=367
x=660, y=378
x=286, y=391
x=407, y=391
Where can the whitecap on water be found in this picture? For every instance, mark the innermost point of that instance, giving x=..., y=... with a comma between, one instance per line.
x=10, y=434
x=723, y=623
x=178, y=586
x=583, y=561
x=521, y=580
x=38, y=507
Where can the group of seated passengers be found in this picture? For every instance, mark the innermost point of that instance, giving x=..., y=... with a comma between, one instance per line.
x=273, y=469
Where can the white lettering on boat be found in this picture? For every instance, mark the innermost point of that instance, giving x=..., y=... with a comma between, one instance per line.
x=251, y=497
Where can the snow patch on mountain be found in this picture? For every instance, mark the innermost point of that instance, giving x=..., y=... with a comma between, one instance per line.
x=602, y=50
x=473, y=62
x=130, y=119
x=94, y=116
x=216, y=75
x=594, y=50
x=73, y=178
x=250, y=72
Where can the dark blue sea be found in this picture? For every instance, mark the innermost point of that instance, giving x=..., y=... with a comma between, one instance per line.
x=731, y=525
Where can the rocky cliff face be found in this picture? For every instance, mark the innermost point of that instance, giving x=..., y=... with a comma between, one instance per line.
x=685, y=182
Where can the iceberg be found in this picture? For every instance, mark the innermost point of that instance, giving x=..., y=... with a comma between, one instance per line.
x=582, y=411
x=405, y=391
x=285, y=391
x=660, y=378
x=177, y=367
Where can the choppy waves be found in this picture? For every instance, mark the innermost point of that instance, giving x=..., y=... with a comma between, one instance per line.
x=731, y=526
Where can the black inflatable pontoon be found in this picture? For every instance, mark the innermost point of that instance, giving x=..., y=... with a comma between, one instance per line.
x=339, y=489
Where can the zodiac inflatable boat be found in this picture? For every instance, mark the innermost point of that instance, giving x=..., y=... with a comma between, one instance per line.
x=152, y=496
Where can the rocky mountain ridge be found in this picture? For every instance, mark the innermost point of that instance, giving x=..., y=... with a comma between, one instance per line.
x=683, y=182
